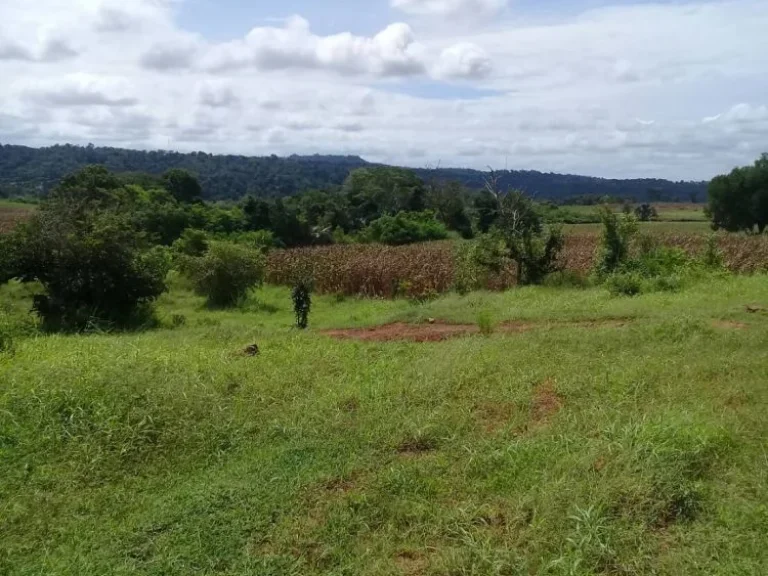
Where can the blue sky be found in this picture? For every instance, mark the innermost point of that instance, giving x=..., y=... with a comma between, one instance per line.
x=617, y=88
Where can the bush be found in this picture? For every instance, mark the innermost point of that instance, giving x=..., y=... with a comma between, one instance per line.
x=625, y=284
x=475, y=261
x=225, y=273
x=405, y=228
x=618, y=231
x=93, y=271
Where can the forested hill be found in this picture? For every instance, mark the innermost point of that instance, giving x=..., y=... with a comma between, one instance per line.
x=26, y=170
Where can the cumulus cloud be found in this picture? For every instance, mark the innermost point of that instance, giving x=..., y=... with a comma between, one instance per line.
x=391, y=52
x=465, y=60
x=450, y=8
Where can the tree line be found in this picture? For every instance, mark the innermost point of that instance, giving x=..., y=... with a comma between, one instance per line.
x=34, y=171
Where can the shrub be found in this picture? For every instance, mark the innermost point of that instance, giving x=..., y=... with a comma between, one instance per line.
x=534, y=250
x=475, y=261
x=646, y=213
x=225, y=273
x=93, y=270
x=405, y=228
x=625, y=284
x=617, y=234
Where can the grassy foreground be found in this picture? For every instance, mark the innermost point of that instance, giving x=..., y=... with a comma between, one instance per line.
x=639, y=448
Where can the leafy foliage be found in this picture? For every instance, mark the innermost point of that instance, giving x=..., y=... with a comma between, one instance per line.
x=93, y=265
x=739, y=201
x=405, y=228
x=225, y=273
x=182, y=185
x=617, y=234
x=534, y=250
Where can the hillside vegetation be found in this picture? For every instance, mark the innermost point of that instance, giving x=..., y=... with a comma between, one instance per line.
x=33, y=170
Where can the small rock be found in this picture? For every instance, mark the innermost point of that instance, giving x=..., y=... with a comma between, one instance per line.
x=252, y=350
x=431, y=320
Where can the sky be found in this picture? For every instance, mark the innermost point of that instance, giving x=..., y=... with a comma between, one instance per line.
x=614, y=88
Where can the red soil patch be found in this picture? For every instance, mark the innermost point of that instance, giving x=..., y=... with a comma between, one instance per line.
x=439, y=331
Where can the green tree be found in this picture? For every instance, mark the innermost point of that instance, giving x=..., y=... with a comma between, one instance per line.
x=94, y=266
x=739, y=201
x=182, y=185
x=373, y=192
x=447, y=201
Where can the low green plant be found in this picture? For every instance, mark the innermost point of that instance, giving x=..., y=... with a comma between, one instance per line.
x=485, y=323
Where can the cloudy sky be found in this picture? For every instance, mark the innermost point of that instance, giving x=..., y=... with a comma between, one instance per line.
x=618, y=88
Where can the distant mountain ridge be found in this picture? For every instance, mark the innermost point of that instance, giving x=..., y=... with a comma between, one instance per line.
x=26, y=170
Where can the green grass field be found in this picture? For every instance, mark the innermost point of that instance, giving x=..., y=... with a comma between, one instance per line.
x=636, y=446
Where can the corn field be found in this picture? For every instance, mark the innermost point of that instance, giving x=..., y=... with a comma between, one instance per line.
x=423, y=270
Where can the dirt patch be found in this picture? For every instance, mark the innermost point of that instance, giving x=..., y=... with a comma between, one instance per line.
x=493, y=417
x=401, y=331
x=436, y=331
x=412, y=563
x=729, y=325
x=546, y=402
x=339, y=485
x=417, y=445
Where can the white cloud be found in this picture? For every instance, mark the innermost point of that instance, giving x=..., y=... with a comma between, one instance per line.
x=391, y=52
x=450, y=8
x=465, y=60
x=618, y=91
